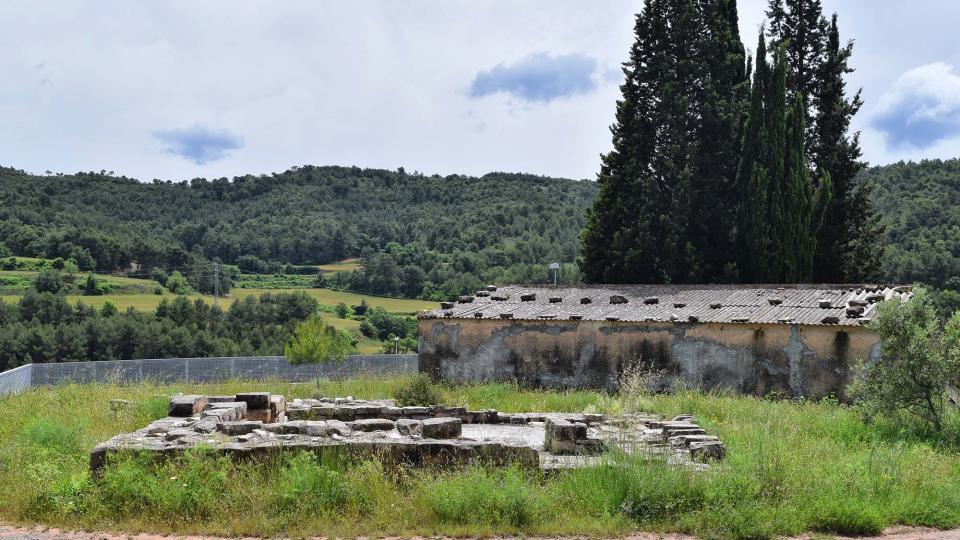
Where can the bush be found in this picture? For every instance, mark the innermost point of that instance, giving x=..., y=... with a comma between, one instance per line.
x=92, y=287
x=178, y=284
x=49, y=280
x=847, y=516
x=187, y=487
x=920, y=361
x=305, y=483
x=663, y=492
x=418, y=391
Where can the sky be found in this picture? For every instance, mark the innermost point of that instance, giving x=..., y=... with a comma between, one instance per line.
x=176, y=90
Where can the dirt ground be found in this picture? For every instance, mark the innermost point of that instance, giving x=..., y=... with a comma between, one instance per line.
x=21, y=533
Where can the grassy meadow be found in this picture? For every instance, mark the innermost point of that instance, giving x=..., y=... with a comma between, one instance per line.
x=150, y=301
x=792, y=466
x=346, y=265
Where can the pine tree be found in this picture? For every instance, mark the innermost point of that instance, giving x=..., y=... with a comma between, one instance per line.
x=659, y=215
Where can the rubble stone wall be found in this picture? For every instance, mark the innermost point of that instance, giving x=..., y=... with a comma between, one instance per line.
x=800, y=360
x=255, y=424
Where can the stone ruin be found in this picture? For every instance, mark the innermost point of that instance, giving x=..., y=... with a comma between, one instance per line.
x=254, y=424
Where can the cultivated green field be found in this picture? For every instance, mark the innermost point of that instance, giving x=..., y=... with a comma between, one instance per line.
x=793, y=466
x=345, y=265
x=331, y=297
x=15, y=282
x=149, y=302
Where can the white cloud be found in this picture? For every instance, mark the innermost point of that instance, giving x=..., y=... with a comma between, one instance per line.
x=379, y=83
x=922, y=108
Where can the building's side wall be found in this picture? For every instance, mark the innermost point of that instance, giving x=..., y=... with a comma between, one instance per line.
x=755, y=359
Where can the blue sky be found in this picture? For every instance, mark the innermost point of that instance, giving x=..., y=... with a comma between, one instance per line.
x=178, y=89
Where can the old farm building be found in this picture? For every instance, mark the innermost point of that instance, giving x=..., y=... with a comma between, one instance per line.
x=799, y=340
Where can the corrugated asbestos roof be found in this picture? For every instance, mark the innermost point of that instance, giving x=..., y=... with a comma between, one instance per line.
x=844, y=305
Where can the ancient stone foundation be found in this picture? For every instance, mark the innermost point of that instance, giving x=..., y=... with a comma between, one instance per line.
x=255, y=424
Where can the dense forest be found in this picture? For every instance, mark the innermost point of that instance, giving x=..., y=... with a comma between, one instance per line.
x=919, y=205
x=420, y=236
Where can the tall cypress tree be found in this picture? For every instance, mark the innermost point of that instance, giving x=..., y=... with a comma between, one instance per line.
x=848, y=247
x=849, y=241
x=659, y=215
x=798, y=27
x=723, y=98
x=780, y=210
x=804, y=212
x=615, y=240
x=753, y=230
x=775, y=107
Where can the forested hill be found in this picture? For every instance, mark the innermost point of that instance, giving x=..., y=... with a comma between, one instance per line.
x=919, y=204
x=427, y=236
x=435, y=236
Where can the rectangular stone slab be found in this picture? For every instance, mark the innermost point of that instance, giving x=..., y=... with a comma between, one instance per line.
x=186, y=405
x=441, y=428
x=255, y=400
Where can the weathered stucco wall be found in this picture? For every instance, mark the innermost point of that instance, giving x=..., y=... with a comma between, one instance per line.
x=748, y=358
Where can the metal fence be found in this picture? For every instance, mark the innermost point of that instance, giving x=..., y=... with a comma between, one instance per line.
x=200, y=370
x=16, y=380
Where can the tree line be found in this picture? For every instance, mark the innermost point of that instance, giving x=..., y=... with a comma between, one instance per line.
x=45, y=327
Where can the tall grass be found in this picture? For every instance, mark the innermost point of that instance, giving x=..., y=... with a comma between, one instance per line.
x=792, y=466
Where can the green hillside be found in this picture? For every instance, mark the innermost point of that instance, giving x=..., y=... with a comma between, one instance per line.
x=419, y=236
x=919, y=204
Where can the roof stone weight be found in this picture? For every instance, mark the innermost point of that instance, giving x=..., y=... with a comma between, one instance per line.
x=834, y=305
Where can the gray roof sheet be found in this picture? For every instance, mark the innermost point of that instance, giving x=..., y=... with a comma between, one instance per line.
x=801, y=304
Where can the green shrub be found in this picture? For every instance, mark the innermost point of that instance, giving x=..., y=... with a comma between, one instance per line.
x=49, y=280
x=418, y=391
x=920, y=360
x=63, y=496
x=155, y=407
x=599, y=491
x=746, y=520
x=305, y=483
